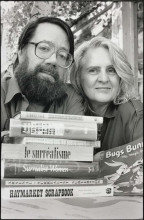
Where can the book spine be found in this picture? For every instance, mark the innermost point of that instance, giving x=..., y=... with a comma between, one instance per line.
x=66, y=130
x=14, y=182
x=46, y=152
x=56, y=192
x=63, y=142
x=60, y=117
x=56, y=169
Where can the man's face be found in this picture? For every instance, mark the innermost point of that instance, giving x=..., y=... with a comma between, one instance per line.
x=39, y=76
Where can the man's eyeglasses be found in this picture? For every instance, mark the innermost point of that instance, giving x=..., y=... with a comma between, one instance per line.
x=45, y=49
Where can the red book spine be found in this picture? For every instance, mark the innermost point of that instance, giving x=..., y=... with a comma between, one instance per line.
x=53, y=169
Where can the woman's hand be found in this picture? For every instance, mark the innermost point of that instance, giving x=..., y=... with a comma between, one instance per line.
x=98, y=156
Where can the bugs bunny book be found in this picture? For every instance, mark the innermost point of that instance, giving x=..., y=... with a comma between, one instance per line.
x=123, y=168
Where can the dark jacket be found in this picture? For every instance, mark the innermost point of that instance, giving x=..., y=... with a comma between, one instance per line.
x=122, y=124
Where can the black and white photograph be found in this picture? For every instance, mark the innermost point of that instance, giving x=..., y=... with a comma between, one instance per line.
x=72, y=110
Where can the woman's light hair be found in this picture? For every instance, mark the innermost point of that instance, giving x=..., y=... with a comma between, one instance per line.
x=119, y=61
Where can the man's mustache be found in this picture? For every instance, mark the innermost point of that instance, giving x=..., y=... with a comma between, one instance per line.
x=50, y=69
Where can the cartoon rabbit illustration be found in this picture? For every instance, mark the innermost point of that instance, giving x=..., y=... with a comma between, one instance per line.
x=136, y=179
x=123, y=169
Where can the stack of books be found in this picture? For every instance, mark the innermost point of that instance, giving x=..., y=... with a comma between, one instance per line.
x=54, y=158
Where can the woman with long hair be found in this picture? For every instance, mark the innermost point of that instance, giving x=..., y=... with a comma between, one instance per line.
x=104, y=78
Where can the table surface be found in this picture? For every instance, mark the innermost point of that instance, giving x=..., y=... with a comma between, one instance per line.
x=116, y=207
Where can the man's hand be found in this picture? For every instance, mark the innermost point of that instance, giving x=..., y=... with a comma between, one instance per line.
x=4, y=136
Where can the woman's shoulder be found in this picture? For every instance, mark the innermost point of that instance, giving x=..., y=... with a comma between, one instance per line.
x=131, y=107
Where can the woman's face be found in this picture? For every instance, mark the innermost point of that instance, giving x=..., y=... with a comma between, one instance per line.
x=99, y=79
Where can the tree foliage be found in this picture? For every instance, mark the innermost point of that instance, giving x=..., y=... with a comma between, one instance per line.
x=14, y=20
x=75, y=13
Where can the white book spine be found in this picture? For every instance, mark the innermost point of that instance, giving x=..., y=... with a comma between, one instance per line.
x=63, y=142
x=56, y=192
x=53, y=129
x=38, y=151
x=23, y=182
x=53, y=116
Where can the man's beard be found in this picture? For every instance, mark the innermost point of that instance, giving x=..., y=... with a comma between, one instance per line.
x=37, y=89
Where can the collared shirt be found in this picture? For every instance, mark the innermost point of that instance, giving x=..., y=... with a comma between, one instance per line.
x=122, y=124
x=13, y=101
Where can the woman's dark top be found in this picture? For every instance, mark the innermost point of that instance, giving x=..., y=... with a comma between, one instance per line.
x=122, y=124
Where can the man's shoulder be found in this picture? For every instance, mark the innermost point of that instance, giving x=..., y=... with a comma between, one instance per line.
x=8, y=71
x=5, y=82
x=70, y=88
x=130, y=108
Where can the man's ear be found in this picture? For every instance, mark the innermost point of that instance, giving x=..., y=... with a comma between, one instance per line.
x=19, y=54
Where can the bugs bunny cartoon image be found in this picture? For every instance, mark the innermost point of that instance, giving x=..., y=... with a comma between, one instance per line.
x=123, y=169
x=136, y=179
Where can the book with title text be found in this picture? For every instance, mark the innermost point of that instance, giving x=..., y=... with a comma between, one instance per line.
x=53, y=146
x=59, y=117
x=52, y=125
x=53, y=129
x=36, y=188
x=123, y=168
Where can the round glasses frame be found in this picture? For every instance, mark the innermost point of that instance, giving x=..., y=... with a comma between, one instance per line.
x=53, y=46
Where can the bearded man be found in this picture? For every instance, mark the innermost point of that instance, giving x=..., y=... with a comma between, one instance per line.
x=45, y=52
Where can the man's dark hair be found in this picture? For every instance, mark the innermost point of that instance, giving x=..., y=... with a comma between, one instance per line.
x=30, y=28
